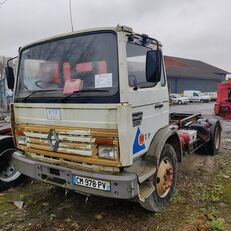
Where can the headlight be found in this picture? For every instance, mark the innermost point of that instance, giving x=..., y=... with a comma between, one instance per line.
x=107, y=151
x=21, y=139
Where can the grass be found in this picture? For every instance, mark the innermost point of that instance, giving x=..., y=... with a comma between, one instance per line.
x=216, y=225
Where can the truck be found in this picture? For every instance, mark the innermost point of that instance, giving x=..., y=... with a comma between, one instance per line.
x=91, y=114
x=196, y=96
x=222, y=106
x=9, y=176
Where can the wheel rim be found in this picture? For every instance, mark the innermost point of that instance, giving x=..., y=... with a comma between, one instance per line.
x=217, y=138
x=164, y=177
x=8, y=172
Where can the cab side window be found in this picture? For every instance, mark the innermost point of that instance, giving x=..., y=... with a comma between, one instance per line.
x=195, y=94
x=229, y=95
x=136, y=60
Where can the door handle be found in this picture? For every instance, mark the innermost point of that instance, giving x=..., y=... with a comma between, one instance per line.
x=159, y=105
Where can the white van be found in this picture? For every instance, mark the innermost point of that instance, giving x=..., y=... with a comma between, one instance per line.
x=196, y=96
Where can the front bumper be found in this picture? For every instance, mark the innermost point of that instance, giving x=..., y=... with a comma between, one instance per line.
x=123, y=185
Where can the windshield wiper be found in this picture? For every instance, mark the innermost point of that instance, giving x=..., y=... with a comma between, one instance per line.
x=87, y=90
x=37, y=91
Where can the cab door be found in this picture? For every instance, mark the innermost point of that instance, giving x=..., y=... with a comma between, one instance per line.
x=196, y=96
x=149, y=101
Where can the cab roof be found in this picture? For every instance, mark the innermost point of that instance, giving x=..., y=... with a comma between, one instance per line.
x=118, y=28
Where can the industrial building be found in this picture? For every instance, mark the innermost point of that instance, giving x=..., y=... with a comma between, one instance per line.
x=187, y=74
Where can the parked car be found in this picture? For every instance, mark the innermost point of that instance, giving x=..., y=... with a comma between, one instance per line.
x=177, y=99
x=196, y=96
x=212, y=95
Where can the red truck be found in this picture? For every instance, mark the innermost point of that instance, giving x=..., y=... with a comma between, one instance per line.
x=223, y=103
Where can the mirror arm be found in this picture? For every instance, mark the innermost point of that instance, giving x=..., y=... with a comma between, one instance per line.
x=9, y=60
x=157, y=43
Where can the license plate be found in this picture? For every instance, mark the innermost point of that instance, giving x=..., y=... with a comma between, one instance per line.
x=91, y=183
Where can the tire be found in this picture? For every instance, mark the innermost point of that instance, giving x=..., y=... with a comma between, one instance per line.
x=9, y=177
x=212, y=147
x=201, y=100
x=160, y=197
x=179, y=102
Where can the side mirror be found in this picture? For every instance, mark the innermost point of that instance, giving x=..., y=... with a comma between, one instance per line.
x=10, y=77
x=153, y=66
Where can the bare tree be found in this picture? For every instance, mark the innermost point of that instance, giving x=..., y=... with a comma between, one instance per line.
x=3, y=61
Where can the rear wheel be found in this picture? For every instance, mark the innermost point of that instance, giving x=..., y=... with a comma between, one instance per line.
x=9, y=176
x=180, y=102
x=164, y=180
x=213, y=145
x=215, y=138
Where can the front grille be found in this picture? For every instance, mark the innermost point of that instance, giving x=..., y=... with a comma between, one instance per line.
x=75, y=142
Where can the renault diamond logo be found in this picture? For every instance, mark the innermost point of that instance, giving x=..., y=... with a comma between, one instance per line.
x=53, y=140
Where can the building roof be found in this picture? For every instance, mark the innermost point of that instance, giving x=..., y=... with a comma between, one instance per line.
x=189, y=68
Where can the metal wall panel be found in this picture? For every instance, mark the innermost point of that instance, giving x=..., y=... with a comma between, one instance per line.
x=178, y=85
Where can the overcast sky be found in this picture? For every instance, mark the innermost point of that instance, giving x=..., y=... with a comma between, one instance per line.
x=194, y=29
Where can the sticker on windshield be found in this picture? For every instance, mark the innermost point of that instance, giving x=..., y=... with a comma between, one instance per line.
x=73, y=85
x=103, y=80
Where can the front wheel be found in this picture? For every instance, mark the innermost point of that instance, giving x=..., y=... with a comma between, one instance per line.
x=164, y=180
x=9, y=176
x=180, y=102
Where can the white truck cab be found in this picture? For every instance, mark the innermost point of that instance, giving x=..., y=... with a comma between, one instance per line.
x=91, y=114
x=196, y=96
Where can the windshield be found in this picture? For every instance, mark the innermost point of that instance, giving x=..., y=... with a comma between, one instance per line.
x=81, y=69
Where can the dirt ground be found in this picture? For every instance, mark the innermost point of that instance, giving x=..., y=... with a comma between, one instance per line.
x=202, y=200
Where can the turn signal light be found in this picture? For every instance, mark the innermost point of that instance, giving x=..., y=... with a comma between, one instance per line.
x=19, y=132
x=103, y=141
